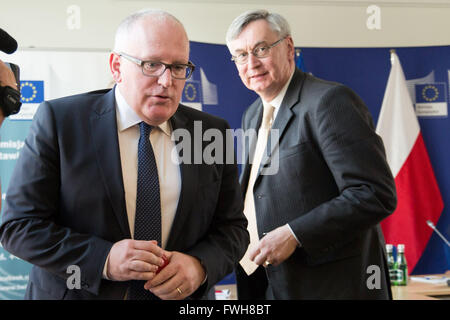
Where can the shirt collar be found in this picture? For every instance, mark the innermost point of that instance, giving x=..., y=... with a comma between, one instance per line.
x=127, y=117
x=276, y=102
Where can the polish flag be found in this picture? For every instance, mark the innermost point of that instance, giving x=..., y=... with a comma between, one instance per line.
x=418, y=195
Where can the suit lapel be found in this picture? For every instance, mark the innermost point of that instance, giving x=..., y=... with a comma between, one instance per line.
x=189, y=182
x=255, y=112
x=104, y=135
x=284, y=115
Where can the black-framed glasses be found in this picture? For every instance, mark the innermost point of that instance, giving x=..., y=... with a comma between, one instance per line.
x=260, y=51
x=179, y=71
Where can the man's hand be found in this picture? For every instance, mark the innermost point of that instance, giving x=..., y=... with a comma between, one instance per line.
x=179, y=279
x=275, y=247
x=134, y=260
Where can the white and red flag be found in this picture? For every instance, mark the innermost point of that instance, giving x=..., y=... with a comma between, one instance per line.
x=418, y=195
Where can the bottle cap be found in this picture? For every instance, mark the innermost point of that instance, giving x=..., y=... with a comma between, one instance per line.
x=401, y=248
x=389, y=247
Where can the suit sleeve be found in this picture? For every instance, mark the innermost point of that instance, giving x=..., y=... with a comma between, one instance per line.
x=228, y=238
x=29, y=226
x=354, y=153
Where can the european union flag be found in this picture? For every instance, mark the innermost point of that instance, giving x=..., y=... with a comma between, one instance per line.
x=430, y=92
x=192, y=92
x=32, y=91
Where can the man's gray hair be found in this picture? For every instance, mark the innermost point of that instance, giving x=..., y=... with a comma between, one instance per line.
x=128, y=23
x=276, y=22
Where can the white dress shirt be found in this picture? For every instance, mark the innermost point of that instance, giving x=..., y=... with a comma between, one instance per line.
x=276, y=102
x=168, y=171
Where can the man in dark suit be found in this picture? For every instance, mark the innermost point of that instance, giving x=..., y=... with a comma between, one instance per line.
x=77, y=192
x=322, y=185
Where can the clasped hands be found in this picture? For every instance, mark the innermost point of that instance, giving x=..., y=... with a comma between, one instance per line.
x=140, y=260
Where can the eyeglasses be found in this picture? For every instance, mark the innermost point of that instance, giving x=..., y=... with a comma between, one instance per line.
x=179, y=71
x=260, y=51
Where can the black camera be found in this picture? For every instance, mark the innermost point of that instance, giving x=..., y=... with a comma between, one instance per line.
x=10, y=97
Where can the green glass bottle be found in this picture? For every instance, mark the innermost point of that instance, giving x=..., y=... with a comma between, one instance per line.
x=401, y=267
x=391, y=263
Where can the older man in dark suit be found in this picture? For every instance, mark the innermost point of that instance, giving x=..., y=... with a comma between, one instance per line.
x=316, y=190
x=98, y=186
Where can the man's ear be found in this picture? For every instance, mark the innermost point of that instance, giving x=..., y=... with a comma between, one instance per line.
x=291, y=48
x=114, y=64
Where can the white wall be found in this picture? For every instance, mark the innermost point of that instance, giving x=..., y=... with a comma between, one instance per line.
x=330, y=23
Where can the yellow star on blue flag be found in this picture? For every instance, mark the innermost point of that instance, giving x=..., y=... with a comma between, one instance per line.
x=32, y=91
x=430, y=92
x=191, y=92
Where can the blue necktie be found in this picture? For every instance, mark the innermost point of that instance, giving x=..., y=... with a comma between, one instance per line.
x=147, y=224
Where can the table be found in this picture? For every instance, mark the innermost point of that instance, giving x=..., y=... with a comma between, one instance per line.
x=416, y=290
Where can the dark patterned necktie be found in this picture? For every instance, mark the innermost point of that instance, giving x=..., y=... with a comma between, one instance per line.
x=147, y=224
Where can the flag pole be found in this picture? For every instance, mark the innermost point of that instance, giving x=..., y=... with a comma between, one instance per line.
x=392, y=52
x=299, y=60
